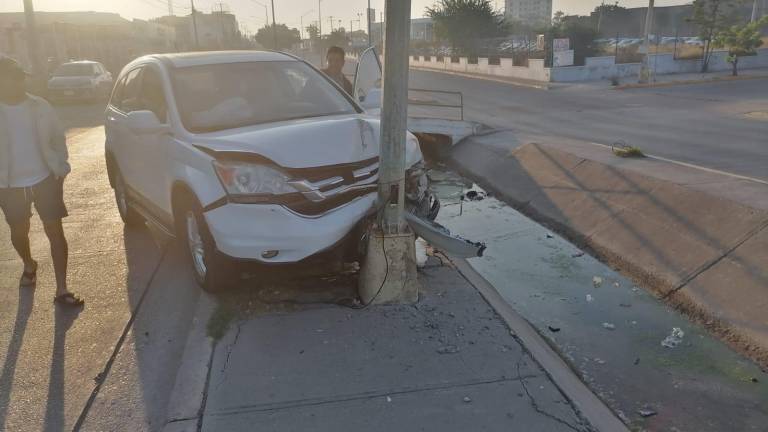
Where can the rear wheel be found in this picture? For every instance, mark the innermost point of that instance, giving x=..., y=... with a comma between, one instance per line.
x=213, y=272
x=129, y=216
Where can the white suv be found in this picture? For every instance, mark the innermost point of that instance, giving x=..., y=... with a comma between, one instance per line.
x=247, y=157
x=80, y=80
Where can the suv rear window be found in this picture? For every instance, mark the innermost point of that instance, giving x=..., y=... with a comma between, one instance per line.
x=75, y=69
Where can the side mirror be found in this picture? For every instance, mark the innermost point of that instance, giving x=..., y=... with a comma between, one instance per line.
x=145, y=122
x=372, y=100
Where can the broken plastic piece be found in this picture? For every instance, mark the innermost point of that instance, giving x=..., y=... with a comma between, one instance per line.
x=590, y=299
x=553, y=329
x=467, y=399
x=597, y=281
x=646, y=412
x=475, y=195
x=674, y=339
x=448, y=349
x=609, y=326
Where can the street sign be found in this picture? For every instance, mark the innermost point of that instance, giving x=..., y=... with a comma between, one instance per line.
x=563, y=58
x=561, y=44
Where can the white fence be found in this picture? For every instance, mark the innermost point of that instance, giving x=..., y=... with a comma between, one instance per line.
x=595, y=68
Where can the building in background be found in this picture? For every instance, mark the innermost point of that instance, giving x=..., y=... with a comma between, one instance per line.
x=530, y=12
x=422, y=29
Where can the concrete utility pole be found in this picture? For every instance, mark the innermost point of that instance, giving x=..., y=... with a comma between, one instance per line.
x=755, y=13
x=274, y=27
x=194, y=25
x=389, y=272
x=170, y=8
x=301, y=21
x=645, y=69
x=33, y=41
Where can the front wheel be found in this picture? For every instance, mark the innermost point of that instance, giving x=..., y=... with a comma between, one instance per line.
x=213, y=272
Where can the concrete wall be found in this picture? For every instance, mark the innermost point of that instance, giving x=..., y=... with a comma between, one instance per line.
x=595, y=68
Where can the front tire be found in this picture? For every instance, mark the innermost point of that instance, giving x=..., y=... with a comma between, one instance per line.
x=212, y=272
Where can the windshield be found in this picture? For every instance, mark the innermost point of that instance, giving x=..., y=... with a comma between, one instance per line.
x=75, y=69
x=232, y=95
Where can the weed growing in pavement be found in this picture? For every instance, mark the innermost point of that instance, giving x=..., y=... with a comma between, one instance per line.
x=626, y=151
x=219, y=322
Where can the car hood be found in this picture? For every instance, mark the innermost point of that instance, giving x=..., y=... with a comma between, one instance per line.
x=309, y=142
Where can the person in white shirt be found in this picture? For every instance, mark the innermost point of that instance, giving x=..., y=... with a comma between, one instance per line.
x=33, y=165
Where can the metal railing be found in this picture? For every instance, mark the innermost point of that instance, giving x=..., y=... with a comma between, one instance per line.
x=435, y=103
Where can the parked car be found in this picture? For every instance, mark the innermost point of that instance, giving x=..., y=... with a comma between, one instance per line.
x=81, y=81
x=248, y=157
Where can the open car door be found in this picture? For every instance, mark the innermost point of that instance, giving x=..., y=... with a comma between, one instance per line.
x=368, y=80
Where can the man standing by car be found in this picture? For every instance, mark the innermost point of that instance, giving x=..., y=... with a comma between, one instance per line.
x=33, y=164
x=336, y=59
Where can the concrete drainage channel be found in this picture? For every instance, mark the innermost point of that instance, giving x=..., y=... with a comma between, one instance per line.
x=653, y=367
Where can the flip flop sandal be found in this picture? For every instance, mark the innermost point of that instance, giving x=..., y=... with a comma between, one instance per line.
x=28, y=279
x=69, y=299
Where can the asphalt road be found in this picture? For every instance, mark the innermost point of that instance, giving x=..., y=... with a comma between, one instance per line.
x=700, y=124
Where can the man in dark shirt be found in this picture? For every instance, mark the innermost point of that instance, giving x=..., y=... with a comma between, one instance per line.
x=335, y=58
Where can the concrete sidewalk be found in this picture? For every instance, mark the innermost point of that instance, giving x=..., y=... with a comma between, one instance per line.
x=446, y=364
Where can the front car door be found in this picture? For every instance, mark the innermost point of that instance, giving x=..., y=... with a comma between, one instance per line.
x=368, y=83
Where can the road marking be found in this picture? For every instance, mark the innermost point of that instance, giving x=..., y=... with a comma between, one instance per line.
x=690, y=165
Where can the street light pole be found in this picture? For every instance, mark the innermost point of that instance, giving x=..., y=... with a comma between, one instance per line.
x=33, y=43
x=194, y=25
x=320, y=32
x=368, y=18
x=645, y=69
x=274, y=27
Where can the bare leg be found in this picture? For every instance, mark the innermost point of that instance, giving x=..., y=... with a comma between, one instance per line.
x=20, y=241
x=59, y=253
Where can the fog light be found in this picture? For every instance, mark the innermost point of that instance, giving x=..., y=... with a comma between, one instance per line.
x=269, y=254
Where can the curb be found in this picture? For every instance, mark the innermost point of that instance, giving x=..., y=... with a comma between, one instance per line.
x=185, y=402
x=531, y=84
x=690, y=82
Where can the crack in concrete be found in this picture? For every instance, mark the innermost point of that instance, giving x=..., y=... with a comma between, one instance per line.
x=230, y=347
x=538, y=409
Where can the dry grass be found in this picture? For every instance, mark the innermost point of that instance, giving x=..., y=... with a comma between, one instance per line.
x=628, y=152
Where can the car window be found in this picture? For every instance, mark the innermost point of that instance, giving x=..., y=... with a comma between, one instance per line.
x=117, y=94
x=73, y=69
x=152, y=97
x=227, y=96
x=130, y=96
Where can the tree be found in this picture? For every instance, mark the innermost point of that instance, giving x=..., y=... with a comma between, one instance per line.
x=313, y=31
x=285, y=37
x=712, y=17
x=741, y=40
x=608, y=8
x=337, y=37
x=579, y=30
x=558, y=18
x=463, y=22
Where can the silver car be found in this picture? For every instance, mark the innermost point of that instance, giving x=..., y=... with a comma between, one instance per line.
x=80, y=81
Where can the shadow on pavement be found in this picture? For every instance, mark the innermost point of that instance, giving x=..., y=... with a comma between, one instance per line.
x=23, y=311
x=54, y=412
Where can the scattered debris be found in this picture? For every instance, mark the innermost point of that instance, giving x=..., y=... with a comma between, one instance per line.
x=609, y=326
x=577, y=255
x=599, y=361
x=474, y=196
x=755, y=380
x=646, y=412
x=622, y=149
x=597, y=281
x=553, y=329
x=637, y=361
x=616, y=284
x=421, y=252
x=467, y=399
x=448, y=349
x=590, y=299
x=389, y=399
x=626, y=305
x=549, y=236
x=674, y=339
x=99, y=378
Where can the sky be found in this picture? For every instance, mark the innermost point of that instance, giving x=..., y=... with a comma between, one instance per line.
x=251, y=12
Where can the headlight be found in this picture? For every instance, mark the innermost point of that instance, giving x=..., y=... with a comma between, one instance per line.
x=240, y=178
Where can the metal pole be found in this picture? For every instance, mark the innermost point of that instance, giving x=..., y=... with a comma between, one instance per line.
x=645, y=70
x=394, y=115
x=368, y=19
x=274, y=27
x=194, y=25
x=170, y=8
x=320, y=32
x=33, y=42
